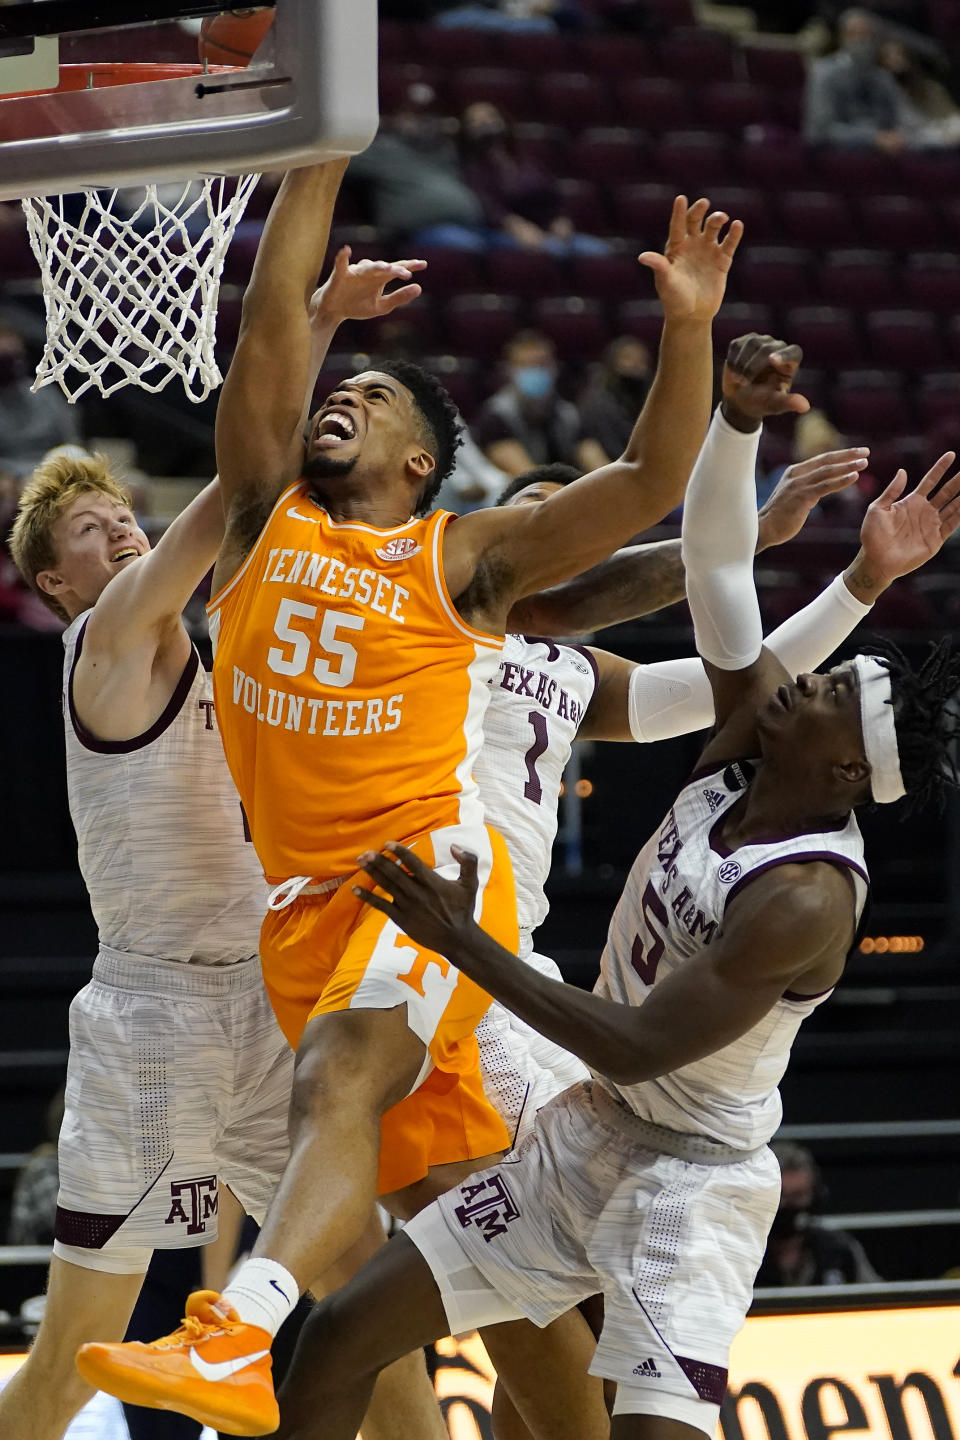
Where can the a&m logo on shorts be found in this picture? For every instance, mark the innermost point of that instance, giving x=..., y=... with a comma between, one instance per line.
x=728, y=872
x=193, y=1203
x=399, y=549
x=487, y=1204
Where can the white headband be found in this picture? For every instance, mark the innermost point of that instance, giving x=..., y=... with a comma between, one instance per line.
x=879, y=730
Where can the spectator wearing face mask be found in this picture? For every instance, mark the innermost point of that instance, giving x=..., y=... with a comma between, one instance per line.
x=611, y=402
x=799, y=1250
x=851, y=100
x=30, y=425
x=527, y=423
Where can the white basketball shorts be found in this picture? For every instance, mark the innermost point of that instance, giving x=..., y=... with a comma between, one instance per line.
x=521, y=1069
x=178, y=1078
x=588, y=1205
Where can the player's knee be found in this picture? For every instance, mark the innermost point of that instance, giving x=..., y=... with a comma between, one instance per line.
x=345, y=1060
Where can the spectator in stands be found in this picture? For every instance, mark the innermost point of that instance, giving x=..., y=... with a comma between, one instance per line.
x=33, y=1208
x=928, y=116
x=815, y=434
x=527, y=423
x=412, y=172
x=522, y=201
x=800, y=1251
x=30, y=425
x=474, y=483
x=851, y=100
x=520, y=16
x=613, y=398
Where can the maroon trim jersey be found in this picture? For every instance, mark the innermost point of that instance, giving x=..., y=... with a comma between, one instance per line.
x=672, y=908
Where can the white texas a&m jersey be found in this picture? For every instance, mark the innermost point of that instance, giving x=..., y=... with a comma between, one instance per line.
x=672, y=907
x=537, y=701
x=161, y=837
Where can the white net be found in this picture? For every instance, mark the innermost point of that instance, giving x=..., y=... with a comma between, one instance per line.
x=131, y=281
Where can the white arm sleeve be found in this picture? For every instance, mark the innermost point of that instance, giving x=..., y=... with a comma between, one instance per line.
x=674, y=697
x=719, y=537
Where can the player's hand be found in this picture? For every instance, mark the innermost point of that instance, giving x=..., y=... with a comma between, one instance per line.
x=801, y=487
x=757, y=378
x=358, y=291
x=902, y=532
x=434, y=912
x=691, y=274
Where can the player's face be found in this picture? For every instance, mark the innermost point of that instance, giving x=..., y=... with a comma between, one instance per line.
x=817, y=714
x=94, y=539
x=533, y=494
x=370, y=418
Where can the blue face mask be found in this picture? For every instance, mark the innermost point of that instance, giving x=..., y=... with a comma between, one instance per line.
x=533, y=381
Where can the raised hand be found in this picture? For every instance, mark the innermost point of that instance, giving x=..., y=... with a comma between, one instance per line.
x=902, y=532
x=357, y=292
x=801, y=487
x=434, y=912
x=691, y=274
x=757, y=378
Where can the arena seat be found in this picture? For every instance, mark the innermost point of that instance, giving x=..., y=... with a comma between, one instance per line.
x=774, y=159
x=750, y=206
x=869, y=403
x=768, y=66
x=932, y=280
x=694, y=54
x=907, y=339
x=858, y=277
x=774, y=274
x=613, y=155
x=396, y=77
x=928, y=173
x=938, y=397
x=856, y=172
x=643, y=211
x=735, y=104
x=693, y=160
x=527, y=272
x=480, y=324
x=608, y=277
x=642, y=318
x=577, y=327
x=828, y=334
x=655, y=102
x=509, y=90
x=817, y=217
x=456, y=46
x=612, y=53
x=572, y=99
x=537, y=51
x=451, y=270
x=541, y=144
x=903, y=222
x=17, y=260
x=736, y=319
x=462, y=377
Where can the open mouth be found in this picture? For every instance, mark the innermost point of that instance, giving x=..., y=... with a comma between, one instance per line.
x=336, y=428
x=129, y=552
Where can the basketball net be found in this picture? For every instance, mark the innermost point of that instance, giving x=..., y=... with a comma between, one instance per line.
x=131, y=289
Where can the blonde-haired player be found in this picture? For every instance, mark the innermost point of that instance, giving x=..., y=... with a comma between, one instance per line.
x=178, y=1073
x=354, y=645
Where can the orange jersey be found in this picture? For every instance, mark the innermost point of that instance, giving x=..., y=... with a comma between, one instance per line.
x=350, y=694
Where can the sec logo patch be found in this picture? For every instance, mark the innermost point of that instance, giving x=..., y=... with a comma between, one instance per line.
x=728, y=872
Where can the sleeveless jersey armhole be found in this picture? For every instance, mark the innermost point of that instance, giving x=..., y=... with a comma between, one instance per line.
x=436, y=528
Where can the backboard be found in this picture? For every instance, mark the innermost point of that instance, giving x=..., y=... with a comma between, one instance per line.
x=309, y=93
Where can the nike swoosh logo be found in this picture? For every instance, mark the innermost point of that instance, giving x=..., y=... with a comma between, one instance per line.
x=222, y=1369
x=283, y=1293
x=294, y=514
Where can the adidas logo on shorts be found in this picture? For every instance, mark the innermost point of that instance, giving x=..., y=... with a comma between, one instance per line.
x=714, y=799
x=647, y=1370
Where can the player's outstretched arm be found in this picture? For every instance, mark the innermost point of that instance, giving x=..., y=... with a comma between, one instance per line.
x=532, y=547
x=789, y=929
x=641, y=579
x=149, y=596
x=258, y=416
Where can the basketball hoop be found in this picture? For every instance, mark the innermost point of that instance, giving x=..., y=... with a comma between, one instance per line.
x=131, y=276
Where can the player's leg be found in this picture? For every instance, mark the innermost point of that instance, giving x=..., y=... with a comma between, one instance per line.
x=45, y=1394
x=549, y=1395
x=652, y=1427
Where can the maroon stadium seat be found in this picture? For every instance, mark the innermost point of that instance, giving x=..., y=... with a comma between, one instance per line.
x=396, y=79
x=751, y=206
x=735, y=320
x=694, y=54
x=451, y=270
x=540, y=144
x=869, y=403
x=463, y=379
x=903, y=222
x=938, y=397
x=480, y=324
x=774, y=274
x=929, y=173
x=856, y=172
x=775, y=159
x=902, y=608
x=395, y=42
x=828, y=334
x=572, y=99
x=673, y=12
x=614, y=53
x=783, y=68
x=527, y=272
x=932, y=280
x=17, y=260
x=365, y=242
x=734, y=104
x=817, y=217
x=607, y=153
x=586, y=205
x=607, y=277
x=945, y=19
x=654, y=102
x=692, y=160
x=577, y=327
x=455, y=47
x=643, y=212
x=908, y=339
x=643, y=318
x=858, y=277
x=509, y=90
x=538, y=51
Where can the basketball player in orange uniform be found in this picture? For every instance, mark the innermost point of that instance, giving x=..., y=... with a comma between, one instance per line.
x=355, y=638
